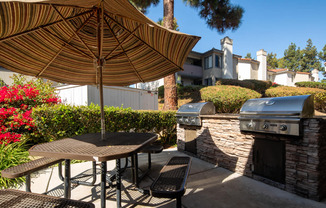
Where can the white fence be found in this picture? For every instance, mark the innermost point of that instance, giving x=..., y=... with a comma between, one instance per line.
x=136, y=99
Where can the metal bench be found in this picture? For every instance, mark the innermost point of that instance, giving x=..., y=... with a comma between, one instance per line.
x=16, y=198
x=152, y=149
x=26, y=169
x=172, y=179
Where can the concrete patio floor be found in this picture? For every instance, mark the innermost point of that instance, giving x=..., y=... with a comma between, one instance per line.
x=208, y=186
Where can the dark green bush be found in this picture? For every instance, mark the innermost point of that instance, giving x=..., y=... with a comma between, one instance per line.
x=319, y=85
x=65, y=121
x=319, y=94
x=226, y=98
x=12, y=154
x=161, y=91
x=235, y=82
x=257, y=85
x=183, y=91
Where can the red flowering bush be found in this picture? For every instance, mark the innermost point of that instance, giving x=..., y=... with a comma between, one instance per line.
x=16, y=104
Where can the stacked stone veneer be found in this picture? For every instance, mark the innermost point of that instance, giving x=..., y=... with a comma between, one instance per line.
x=220, y=141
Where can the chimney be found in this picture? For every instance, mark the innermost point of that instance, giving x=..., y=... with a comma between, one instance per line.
x=227, y=60
x=262, y=70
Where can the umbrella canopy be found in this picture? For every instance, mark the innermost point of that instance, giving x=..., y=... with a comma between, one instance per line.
x=88, y=42
x=64, y=41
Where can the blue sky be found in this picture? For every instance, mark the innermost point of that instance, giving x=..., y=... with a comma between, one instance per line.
x=267, y=24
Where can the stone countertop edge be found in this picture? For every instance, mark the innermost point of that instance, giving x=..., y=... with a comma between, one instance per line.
x=222, y=115
x=236, y=116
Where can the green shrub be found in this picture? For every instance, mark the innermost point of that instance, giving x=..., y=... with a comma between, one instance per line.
x=65, y=121
x=235, y=82
x=11, y=155
x=319, y=94
x=257, y=85
x=319, y=85
x=226, y=98
x=183, y=91
x=161, y=91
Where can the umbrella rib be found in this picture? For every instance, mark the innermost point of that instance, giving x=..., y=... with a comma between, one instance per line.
x=145, y=42
x=106, y=57
x=43, y=26
x=74, y=47
x=137, y=46
x=80, y=39
x=64, y=45
x=120, y=45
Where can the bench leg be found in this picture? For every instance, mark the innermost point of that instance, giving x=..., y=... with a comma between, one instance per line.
x=28, y=183
x=118, y=166
x=149, y=161
x=178, y=202
x=134, y=164
x=103, y=183
x=67, y=183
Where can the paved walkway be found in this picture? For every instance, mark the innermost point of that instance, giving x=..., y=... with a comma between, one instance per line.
x=208, y=186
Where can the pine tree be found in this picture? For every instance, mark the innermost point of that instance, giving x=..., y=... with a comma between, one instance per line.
x=272, y=61
x=322, y=57
x=248, y=56
x=292, y=58
x=309, y=59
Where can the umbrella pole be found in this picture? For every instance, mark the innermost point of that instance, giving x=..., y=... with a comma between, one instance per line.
x=100, y=67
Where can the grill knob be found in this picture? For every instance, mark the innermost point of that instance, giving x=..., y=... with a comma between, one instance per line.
x=249, y=125
x=283, y=127
x=193, y=120
x=187, y=120
x=265, y=126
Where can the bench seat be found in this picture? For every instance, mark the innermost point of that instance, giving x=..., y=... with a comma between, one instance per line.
x=171, y=182
x=26, y=169
x=29, y=167
x=16, y=198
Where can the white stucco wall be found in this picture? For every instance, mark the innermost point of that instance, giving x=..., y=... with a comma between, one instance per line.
x=136, y=99
x=284, y=79
x=244, y=71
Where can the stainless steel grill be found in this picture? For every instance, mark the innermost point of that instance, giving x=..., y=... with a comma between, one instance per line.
x=279, y=115
x=189, y=114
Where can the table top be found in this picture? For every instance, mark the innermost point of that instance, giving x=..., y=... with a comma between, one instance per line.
x=90, y=147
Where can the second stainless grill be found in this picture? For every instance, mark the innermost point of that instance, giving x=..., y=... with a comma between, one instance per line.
x=279, y=115
x=188, y=114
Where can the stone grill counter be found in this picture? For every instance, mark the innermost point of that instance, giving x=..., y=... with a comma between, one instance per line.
x=220, y=141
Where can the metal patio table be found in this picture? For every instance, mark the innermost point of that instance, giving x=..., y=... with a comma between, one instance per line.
x=90, y=147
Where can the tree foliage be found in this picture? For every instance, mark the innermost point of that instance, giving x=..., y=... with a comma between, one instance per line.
x=309, y=59
x=248, y=56
x=272, y=61
x=292, y=57
x=322, y=57
x=296, y=59
x=175, y=24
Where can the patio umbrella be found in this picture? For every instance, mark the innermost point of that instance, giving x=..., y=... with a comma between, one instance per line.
x=88, y=42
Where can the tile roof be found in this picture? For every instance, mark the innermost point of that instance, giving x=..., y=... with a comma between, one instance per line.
x=277, y=70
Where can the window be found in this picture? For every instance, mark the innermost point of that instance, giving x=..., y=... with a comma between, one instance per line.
x=208, y=62
x=217, y=61
x=208, y=82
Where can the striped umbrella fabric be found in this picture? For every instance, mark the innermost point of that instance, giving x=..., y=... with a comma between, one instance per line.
x=67, y=40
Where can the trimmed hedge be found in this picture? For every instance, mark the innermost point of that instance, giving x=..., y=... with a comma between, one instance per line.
x=319, y=85
x=65, y=121
x=319, y=94
x=228, y=99
x=182, y=91
x=257, y=85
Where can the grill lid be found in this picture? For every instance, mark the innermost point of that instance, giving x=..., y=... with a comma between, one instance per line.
x=206, y=108
x=188, y=114
x=293, y=106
